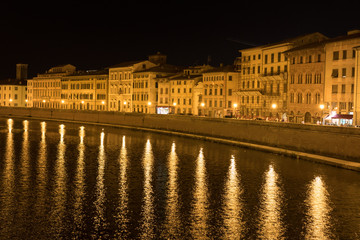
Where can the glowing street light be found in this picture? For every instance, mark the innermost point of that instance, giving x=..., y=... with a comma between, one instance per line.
x=174, y=104
x=202, y=104
x=235, y=105
x=62, y=101
x=149, y=103
x=274, y=106
x=322, y=106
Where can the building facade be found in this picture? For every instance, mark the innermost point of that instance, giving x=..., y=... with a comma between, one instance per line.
x=44, y=91
x=13, y=92
x=85, y=90
x=218, y=98
x=306, y=83
x=340, y=77
x=263, y=86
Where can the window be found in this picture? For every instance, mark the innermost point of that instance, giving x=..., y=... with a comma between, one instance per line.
x=334, y=89
x=317, y=98
x=310, y=60
x=335, y=73
x=343, y=72
x=344, y=54
x=230, y=92
x=279, y=57
x=336, y=55
x=229, y=104
x=230, y=78
x=266, y=59
x=299, y=98
x=308, y=98
x=343, y=88
x=272, y=58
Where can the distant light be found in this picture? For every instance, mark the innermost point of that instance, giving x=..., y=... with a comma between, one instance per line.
x=274, y=105
x=174, y=103
x=102, y=102
x=26, y=100
x=202, y=104
x=149, y=103
x=10, y=100
x=235, y=105
x=82, y=102
x=43, y=100
x=124, y=102
x=322, y=106
x=62, y=101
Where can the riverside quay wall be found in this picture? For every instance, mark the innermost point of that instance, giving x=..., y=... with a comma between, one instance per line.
x=330, y=141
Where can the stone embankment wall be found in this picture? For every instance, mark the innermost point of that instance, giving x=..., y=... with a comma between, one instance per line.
x=337, y=142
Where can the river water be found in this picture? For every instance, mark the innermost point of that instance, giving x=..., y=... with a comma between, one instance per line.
x=71, y=181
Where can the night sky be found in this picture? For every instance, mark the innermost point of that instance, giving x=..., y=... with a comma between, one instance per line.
x=97, y=34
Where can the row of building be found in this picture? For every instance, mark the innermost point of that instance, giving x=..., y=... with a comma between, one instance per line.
x=310, y=78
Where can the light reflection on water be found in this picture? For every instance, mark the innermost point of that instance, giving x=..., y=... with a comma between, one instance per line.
x=234, y=225
x=122, y=217
x=100, y=223
x=200, y=205
x=270, y=220
x=66, y=181
x=59, y=193
x=318, y=220
x=172, y=224
x=147, y=211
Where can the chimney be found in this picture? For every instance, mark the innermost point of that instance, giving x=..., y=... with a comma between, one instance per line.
x=21, y=71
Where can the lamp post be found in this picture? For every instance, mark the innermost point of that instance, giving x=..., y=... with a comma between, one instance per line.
x=174, y=104
x=322, y=113
x=202, y=109
x=124, y=105
x=149, y=104
x=274, y=106
x=235, y=106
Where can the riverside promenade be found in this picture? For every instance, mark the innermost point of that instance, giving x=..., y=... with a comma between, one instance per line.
x=337, y=146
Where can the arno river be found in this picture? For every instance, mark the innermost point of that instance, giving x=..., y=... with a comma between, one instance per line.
x=71, y=181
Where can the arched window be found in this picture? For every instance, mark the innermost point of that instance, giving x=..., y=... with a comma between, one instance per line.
x=308, y=98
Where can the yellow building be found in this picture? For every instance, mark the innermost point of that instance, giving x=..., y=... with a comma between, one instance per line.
x=44, y=91
x=85, y=90
x=219, y=86
x=146, y=87
x=13, y=92
x=263, y=84
x=340, y=69
x=122, y=84
x=306, y=83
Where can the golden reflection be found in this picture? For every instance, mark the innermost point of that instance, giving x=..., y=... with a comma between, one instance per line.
x=147, y=213
x=200, y=204
x=25, y=167
x=60, y=185
x=233, y=209
x=25, y=155
x=122, y=217
x=79, y=191
x=8, y=181
x=99, y=218
x=318, y=215
x=271, y=226
x=172, y=222
x=41, y=171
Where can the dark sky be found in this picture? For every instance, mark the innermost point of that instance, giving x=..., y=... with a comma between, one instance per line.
x=98, y=34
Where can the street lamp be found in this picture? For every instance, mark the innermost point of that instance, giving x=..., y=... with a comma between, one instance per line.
x=322, y=113
x=202, y=109
x=235, y=106
x=149, y=104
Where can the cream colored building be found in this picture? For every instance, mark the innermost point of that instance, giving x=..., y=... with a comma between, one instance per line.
x=85, y=90
x=219, y=86
x=122, y=84
x=13, y=92
x=146, y=87
x=44, y=91
x=181, y=93
x=306, y=83
x=263, y=84
x=340, y=70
